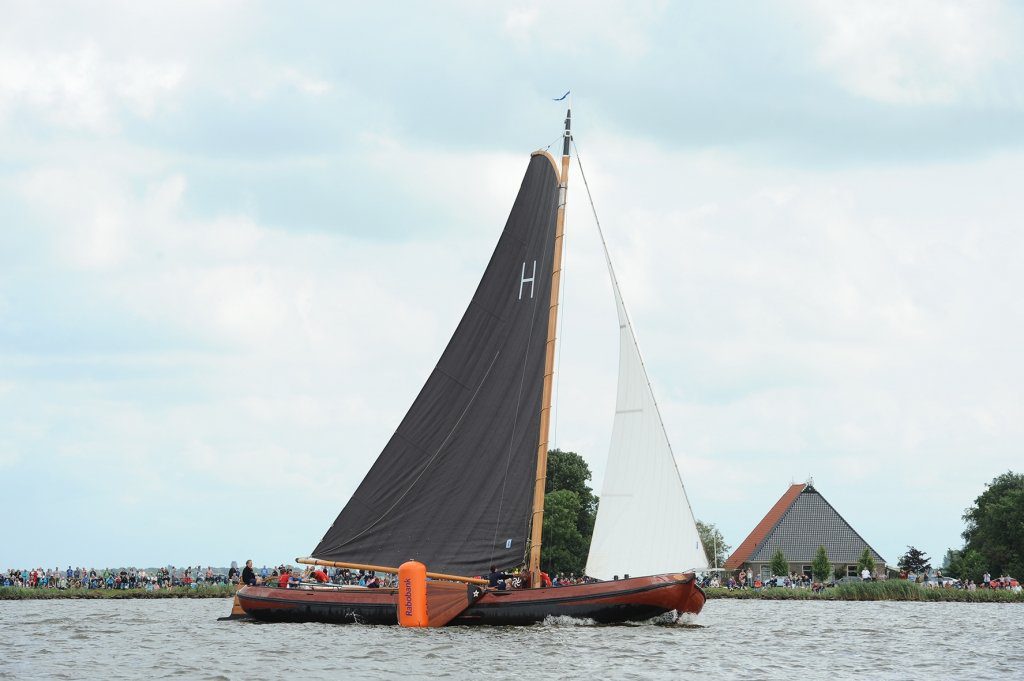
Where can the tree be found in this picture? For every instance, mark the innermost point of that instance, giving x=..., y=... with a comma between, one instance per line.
x=713, y=541
x=570, y=509
x=866, y=562
x=966, y=564
x=995, y=525
x=779, y=566
x=569, y=471
x=914, y=560
x=563, y=548
x=821, y=568
x=952, y=555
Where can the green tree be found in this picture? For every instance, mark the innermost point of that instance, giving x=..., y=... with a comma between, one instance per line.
x=952, y=555
x=866, y=561
x=570, y=509
x=779, y=566
x=966, y=564
x=995, y=525
x=563, y=548
x=914, y=560
x=569, y=471
x=821, y=568
x=713, y=541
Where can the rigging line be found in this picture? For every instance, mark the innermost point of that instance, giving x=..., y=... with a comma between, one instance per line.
x=629, y=323
x=552, y=143
x=515, y=421
x=432, y=458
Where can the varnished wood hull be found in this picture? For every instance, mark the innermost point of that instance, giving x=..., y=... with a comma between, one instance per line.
x=627, y=600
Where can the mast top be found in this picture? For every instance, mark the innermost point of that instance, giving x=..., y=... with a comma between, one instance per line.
x=567, y=138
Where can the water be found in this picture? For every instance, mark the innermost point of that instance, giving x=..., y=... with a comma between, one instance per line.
x=730, y=639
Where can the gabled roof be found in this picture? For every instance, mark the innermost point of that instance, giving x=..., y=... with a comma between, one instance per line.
x=757, y=535
x=800, y=522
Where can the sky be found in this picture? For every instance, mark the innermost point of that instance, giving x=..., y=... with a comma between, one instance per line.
x=236, y=236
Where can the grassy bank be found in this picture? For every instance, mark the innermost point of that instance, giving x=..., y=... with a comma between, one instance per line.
x=12, y=593
x=891, y=590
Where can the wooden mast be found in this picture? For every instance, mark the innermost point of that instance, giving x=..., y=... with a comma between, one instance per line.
x=537, y=520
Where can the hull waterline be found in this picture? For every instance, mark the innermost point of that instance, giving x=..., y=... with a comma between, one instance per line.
x=626, y=600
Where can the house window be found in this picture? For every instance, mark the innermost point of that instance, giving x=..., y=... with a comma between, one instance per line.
x=806, y=569
x=851, y=571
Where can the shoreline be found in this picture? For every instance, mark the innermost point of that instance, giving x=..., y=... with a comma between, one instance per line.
x=19, y=593
x=890, y=590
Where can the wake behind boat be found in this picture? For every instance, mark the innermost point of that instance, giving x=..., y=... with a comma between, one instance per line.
x=459, y=488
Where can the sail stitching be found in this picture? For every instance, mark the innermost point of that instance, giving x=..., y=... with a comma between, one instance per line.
x=432, y=458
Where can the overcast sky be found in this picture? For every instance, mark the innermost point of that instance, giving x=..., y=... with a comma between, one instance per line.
x=235, y=237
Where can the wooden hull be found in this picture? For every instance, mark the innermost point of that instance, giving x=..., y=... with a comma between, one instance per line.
x=626, y=600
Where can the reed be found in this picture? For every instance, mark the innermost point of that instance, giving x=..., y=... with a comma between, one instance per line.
x=890, y=590
x=14, y=593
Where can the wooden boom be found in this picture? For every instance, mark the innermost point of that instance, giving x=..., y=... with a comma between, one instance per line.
x=389, y=570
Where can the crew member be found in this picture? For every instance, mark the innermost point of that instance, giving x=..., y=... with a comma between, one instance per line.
x=497, y=579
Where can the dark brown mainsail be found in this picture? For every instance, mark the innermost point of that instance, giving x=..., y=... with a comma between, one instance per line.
x=453, y=486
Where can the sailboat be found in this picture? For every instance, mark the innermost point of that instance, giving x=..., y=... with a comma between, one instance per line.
x=459, y=488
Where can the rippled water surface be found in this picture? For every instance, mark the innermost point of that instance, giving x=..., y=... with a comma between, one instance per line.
x=730, y=639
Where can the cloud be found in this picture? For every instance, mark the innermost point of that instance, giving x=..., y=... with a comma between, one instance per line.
x=915, y=53
x=82, y=89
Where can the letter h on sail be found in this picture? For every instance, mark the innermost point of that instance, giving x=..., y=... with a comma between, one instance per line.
x=523, y=280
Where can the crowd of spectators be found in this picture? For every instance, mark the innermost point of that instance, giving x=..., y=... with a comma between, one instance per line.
x=115, y=578
x=745, y=579
x=936, y=580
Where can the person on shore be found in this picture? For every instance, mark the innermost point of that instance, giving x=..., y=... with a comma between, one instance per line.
x=248, y=574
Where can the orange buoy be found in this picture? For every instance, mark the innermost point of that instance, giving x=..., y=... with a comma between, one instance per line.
x=412, y=594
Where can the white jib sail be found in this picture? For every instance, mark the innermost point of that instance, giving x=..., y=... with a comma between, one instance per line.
x=644, y=522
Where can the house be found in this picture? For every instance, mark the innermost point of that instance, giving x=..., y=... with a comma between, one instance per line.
x=798, y=523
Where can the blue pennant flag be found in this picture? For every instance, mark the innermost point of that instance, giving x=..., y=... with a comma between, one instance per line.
x=558, y=99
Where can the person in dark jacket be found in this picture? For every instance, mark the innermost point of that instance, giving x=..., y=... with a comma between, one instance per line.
x=497, y=579
x=248, y=574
